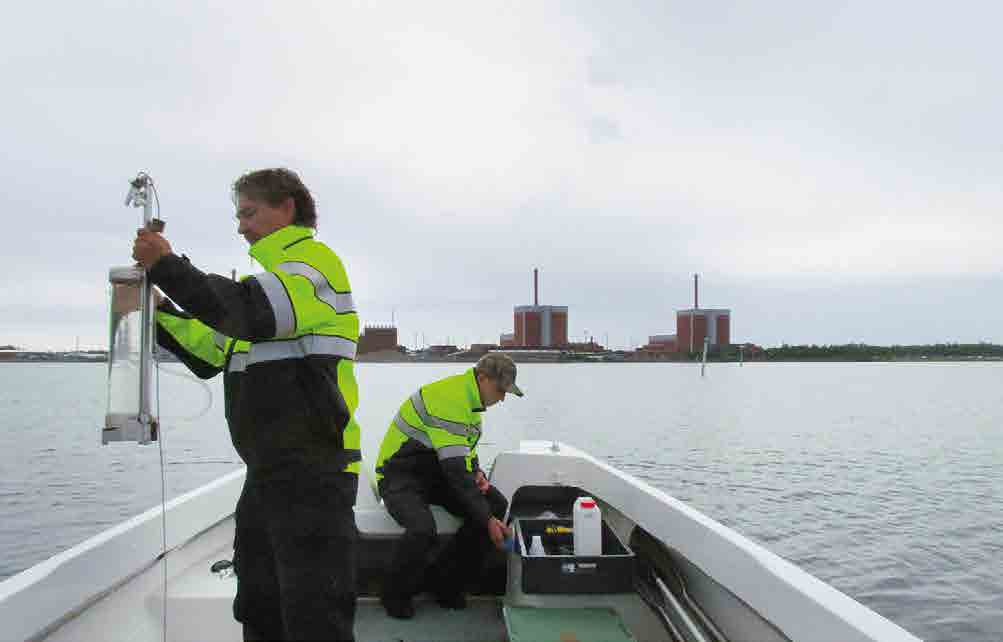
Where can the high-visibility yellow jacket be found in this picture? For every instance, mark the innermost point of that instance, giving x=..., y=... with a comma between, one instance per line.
x=286, y=340
x=434, y=437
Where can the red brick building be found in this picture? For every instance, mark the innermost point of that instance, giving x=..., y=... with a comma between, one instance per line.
x=375, y=338
x=539, y=326
x=693, y=325
x=660, y=343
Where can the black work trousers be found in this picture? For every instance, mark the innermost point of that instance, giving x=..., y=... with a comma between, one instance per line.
x=408, y=498
x=294, y=555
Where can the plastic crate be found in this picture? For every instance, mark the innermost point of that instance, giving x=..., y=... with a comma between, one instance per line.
x=561, y=571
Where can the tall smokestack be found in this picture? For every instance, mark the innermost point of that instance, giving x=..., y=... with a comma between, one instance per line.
x=696, y=291
x=536, y=287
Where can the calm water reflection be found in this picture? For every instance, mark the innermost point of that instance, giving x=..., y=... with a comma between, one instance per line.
x=881, y=479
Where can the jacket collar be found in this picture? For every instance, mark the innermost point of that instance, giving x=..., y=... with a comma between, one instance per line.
x=270, y=250
x=473, y=392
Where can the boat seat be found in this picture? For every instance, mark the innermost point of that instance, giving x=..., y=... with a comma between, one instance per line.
x=375, y=521
x=372, y=517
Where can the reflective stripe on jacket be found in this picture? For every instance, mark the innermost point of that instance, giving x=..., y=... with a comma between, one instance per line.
x=286, y=340
x=434, y=435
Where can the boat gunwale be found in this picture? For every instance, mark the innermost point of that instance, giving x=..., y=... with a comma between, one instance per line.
x=800, y=605
x=112, y=558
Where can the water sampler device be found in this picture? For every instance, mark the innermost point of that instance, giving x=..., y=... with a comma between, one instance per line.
x=132, y=414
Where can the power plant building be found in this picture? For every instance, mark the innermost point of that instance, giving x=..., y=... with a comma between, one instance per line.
x=376, y=338
x=660, y=343
x=541, y=325
x=693, y=325
x=696, y=324
x=538, y=326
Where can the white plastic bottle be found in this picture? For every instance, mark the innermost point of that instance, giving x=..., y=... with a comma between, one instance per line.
x=536, y=548
x=587, y=527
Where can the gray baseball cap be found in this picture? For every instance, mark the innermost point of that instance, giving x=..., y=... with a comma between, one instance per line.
x=501, y=368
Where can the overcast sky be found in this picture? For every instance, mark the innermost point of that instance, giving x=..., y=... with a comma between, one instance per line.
x=832, y=170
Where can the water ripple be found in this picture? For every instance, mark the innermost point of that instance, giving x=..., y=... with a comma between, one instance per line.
x=881, y=479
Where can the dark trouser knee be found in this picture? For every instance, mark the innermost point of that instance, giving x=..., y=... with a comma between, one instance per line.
x=409, y=508
x=463, y=557
x=296, y=569
x=252, y=634
x=408, y=563
x=414, y=547
x=318, y=587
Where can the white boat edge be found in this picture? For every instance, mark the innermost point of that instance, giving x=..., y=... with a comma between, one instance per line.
x=41, y=599
x=800, y=605
x=79, y=576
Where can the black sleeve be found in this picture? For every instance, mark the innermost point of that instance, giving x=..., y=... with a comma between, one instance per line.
x=165, y=340
x=236, y=309
x=465, y=489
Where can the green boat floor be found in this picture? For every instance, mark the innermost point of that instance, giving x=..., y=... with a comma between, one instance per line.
x=481, y=621
x=526, y=624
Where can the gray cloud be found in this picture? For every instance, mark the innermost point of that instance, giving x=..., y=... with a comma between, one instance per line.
x=780, y=147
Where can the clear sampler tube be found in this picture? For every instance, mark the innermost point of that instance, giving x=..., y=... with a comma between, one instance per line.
x=130, y=414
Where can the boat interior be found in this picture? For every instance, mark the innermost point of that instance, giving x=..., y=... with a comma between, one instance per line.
x=499, y=609
x=638, y=590
x=665, y=573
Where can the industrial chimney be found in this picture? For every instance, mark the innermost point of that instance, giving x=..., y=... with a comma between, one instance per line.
x=696, y=291
x=536, y=287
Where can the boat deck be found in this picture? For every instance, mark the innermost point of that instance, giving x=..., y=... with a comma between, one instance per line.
x=481, y=621
x=692, y=578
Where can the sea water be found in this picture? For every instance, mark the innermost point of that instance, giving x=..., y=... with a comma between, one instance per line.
x=883, y=480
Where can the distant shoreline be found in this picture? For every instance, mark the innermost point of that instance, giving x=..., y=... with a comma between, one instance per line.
x=731, y=353
x=922, y=359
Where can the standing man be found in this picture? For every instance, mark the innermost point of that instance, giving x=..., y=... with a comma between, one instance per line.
x=429, y=456
x=285, y=339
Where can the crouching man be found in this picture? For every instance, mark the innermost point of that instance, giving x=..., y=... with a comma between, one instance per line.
x=429, y=456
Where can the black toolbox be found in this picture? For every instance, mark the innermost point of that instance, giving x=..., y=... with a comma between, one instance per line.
x=560, y=571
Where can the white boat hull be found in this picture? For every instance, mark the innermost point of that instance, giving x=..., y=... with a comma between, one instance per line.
x=112, y=587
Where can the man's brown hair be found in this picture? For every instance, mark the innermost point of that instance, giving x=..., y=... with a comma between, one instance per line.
x=274, y=186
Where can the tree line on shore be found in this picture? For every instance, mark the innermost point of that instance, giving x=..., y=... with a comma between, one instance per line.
x=749, y=352
x=865, y=352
